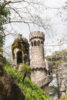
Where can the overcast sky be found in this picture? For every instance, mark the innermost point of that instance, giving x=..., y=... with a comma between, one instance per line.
x=53, y=14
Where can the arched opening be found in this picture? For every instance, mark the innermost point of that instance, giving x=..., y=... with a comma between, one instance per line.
x=38, y=43
x=25, y=59
x=19, y=57
x=35, y=43
x=31, y=43
x=41, y=42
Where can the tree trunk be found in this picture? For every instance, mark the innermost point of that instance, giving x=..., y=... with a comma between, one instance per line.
x=24, y=77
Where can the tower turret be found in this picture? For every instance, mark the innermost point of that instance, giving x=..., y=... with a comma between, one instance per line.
x=37, y=59
x=37, y=49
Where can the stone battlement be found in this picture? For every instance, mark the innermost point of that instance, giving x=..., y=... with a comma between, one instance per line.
x=36, y=34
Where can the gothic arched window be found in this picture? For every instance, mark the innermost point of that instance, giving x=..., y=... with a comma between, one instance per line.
x=19, y=57
x=41, y=42
x=35, y=43
x=32, y=43
x=38, y=43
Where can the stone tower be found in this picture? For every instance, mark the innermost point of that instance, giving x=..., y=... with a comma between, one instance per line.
x=37, y=60
x=20, y=51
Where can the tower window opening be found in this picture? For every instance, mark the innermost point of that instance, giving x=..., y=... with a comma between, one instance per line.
x=35, y=43
x=19, y=57
x=38, y=43
x=32, y=43
x=41, y=42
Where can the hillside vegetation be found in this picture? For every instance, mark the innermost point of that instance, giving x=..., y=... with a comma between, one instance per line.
x=64, y=97
x=31, y=91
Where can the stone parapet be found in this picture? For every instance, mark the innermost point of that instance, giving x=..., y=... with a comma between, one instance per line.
x=37, y=34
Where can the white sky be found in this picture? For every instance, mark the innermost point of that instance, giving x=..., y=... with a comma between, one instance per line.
x=56, y=18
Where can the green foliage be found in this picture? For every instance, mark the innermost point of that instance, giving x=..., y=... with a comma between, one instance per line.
x=32, y=91
x=26, y=68
x=58, y=62
x=4, y=12
x=58, y=57
x=48, y=58
x=17, y=75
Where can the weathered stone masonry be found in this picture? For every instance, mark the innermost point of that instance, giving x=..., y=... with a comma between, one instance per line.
x=20, y=51
x=39, y=74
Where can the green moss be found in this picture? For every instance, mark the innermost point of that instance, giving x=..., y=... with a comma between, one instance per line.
x=21, y=44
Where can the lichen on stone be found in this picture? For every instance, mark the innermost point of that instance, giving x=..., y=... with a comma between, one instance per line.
x=22, y=44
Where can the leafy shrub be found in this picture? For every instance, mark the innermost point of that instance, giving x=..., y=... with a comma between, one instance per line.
x=32, y=91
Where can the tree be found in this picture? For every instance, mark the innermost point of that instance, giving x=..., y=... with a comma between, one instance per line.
x=59, y=68
x=22, y=11
x=3, y=19
x=25, y=70
x=28, y=16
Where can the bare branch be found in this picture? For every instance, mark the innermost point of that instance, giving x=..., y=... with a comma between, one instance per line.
x=15, y=11
x=19, y=1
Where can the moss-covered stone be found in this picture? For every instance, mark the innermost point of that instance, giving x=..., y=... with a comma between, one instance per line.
x=22, y=44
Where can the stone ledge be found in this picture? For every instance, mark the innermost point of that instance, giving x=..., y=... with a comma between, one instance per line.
x=45, y=81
